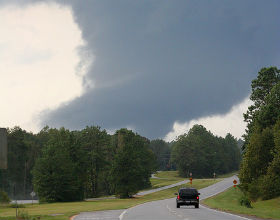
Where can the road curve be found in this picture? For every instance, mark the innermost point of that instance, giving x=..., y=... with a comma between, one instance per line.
x=166, y=209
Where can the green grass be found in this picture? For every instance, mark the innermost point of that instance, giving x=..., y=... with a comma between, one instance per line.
x=228, y=201
x=228, y=174
x=166, y=178
x=168, y=175
x=71, y=208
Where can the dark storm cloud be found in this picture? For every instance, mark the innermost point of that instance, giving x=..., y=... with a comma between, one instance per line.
x=161, y=61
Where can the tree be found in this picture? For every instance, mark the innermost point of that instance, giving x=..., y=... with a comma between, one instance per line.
x=162, y=152
x=271, y=181
x=256, y=158
x=261, y=86
x=15, y=176
x=133, y=163
x=259, y=172
x=56, y=173
x=99, y=156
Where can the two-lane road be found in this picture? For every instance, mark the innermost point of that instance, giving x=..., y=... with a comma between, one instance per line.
x=166, y=209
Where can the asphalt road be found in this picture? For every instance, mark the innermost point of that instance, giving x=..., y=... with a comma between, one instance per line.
x=161, y=188
x=166, y=209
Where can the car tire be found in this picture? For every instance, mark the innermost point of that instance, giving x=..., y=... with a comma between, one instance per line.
x=197, y=206
x=178, y=206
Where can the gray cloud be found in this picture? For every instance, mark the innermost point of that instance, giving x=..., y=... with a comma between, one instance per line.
x=161, y=61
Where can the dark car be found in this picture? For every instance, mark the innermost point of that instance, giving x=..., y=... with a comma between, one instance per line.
x=187, y=196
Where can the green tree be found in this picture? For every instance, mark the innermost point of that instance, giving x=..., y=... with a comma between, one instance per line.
x=162, y=152
x=271, y=181
x=256, y=159
x=99, y=156
x=261, y=86
x=15, y=175
x=260, y=163
x=56, y=173
x=133, y=163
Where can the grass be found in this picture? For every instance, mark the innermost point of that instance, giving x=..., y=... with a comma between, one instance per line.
x=229, y=201
x=166, y=178
x=68, y=209
x=228, y=174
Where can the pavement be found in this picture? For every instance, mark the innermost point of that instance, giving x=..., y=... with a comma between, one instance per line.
x=154, y=175
x=142, y=193
x=166, y=209
x=24, y=201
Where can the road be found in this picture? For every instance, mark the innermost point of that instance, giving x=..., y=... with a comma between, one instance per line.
x=161, y=188
x=166, y=209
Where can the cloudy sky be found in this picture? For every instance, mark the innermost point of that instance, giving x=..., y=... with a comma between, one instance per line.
x=157, y=67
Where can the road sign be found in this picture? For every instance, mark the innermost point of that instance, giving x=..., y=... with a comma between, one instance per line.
x=234, y=183
x=190, y=174
x=3, y=149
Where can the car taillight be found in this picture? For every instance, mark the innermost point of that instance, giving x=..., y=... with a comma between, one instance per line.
x=178, y=197
x=197, y=197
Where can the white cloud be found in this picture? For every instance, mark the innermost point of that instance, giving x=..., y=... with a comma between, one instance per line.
x=39, y=53
x=231, y=122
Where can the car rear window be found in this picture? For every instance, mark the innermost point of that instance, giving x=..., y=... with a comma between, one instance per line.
x=188, y=191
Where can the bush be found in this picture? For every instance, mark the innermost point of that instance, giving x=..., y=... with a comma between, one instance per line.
x=245, y=201
x=4, y=198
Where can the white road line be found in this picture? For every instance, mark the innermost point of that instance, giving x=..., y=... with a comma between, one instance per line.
x=226, y=213
x=121, y=215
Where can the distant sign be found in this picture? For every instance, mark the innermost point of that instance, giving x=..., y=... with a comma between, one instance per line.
x=190, y=174
x=33, y=194
x=3, y=149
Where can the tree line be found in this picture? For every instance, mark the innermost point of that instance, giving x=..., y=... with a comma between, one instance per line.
x=201, y=153
x=260, y=167
x=64, y=165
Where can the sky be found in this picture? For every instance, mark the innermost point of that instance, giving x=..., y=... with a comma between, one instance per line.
x=156, y=67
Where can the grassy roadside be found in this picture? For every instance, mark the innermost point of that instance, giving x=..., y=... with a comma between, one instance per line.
x=166, y=178
x=229, y=201
x=228, y=174
x=71, y=208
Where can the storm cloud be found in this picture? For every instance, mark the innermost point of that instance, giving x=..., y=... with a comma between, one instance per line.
x=157, y=62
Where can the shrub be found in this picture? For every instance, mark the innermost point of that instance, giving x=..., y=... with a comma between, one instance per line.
x=245, y=201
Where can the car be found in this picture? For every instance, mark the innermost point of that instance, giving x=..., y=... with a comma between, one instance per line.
x=187, y=196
